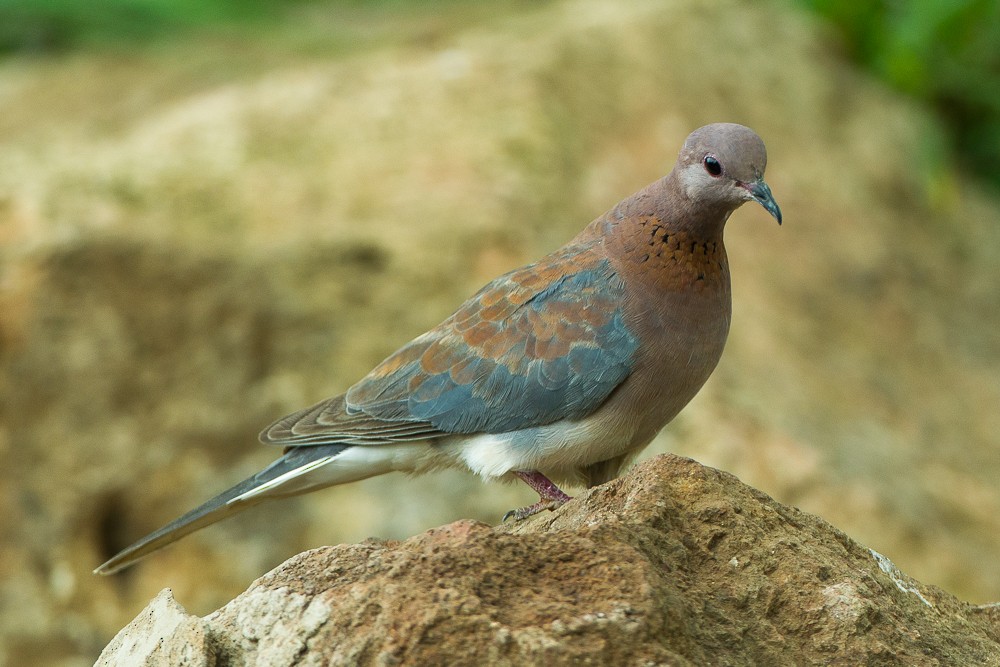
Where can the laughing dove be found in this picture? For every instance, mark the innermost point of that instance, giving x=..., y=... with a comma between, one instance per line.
x=564, y=368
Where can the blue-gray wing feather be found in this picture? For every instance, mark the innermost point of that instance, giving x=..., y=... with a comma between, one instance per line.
x=537, y=345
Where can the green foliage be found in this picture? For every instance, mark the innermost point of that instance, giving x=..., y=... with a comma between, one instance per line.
x=946, y=52
x=51, y=25
x=46, y=26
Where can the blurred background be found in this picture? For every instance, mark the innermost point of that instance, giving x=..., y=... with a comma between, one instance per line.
x=213, y=213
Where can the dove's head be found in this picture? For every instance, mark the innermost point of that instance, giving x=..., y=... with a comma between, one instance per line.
x=721, y=166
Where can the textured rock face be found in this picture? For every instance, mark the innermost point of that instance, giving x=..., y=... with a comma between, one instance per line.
x=676, y=563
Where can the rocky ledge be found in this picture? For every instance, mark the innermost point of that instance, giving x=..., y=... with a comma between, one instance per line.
x=673, y=564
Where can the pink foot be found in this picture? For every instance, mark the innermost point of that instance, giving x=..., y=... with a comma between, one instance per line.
x=551, y=496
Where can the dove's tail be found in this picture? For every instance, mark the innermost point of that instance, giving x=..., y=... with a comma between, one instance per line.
x=301, y=469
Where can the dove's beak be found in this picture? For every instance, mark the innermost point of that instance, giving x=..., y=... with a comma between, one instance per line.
x=762, y=195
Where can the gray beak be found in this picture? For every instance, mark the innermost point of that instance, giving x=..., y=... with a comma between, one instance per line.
x=762, y=195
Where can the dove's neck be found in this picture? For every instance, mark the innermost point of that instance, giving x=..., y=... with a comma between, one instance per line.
x=658, y=236
x=668, y=199
x=665, y=202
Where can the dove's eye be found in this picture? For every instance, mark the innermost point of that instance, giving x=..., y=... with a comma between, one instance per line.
x=713, y=166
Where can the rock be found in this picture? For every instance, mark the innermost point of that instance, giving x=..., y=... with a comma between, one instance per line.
x=675, y=563
x=163, y=634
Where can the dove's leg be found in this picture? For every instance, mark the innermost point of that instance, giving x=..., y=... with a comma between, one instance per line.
x=551, y=496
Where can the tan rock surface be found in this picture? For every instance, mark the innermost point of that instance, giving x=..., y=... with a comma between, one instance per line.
x=674, y=564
